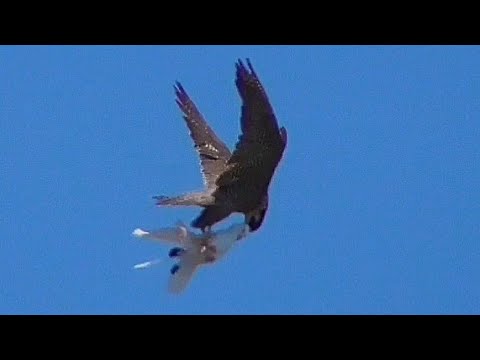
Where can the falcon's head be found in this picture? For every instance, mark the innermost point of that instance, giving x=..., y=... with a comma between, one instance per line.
x=255, y=218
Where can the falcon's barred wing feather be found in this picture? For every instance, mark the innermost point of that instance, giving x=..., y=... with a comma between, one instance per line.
x=213, y=152
x=261, y=142
x=258, y=122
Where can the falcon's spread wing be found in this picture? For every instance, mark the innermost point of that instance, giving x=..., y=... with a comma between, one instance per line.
x=213, y=153
x=261, y=143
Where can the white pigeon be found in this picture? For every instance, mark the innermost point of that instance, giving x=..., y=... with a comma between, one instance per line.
x=194, y=249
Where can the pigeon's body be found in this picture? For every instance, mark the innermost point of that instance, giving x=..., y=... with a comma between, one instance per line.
x=237, y=181
x=193, y=250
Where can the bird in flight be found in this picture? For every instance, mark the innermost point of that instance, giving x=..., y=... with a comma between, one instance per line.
x=192, y=250
x=235, y=181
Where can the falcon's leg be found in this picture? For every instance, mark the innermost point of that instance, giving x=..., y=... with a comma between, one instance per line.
x=210, y=216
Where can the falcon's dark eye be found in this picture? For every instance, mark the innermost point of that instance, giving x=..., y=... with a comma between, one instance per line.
x=256, y=221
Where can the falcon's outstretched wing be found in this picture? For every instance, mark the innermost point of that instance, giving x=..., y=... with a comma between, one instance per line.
x=261, y=143
x=213, y=152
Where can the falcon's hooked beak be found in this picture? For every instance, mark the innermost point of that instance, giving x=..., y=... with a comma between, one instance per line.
x=255, y=219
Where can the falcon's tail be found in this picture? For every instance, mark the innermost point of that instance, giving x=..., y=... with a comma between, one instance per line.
x=194, y=199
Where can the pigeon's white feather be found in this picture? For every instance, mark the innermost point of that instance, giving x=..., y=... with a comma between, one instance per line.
x=188, y=265
x=139, y=233
x=175, y=235
x=199, y=249
x=148, y=264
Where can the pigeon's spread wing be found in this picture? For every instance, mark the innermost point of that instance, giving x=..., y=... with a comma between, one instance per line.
x=213, y=153
x=226, y=239
x=182, y=276
x=261, y=143
x=173, y=235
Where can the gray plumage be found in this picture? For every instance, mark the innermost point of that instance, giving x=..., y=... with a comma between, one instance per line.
x=237, y=181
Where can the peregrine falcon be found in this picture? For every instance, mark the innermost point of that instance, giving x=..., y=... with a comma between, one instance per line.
x=238, y=181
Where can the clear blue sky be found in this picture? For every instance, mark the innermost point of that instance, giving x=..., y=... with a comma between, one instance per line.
x=374, y=209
